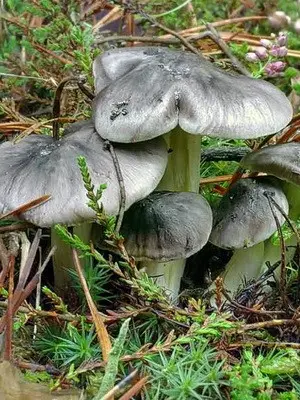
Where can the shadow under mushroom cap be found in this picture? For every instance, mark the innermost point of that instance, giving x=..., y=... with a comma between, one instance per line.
x=39, y=165
x=244, y=217
x=282, y=160
x=167, y=226
x=145, y=92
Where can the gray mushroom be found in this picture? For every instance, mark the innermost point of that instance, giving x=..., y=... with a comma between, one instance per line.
x=145, y=92
x=281, y=160
x=163, y=230
x=40, y=165
x=243, y=217
x=243, y=220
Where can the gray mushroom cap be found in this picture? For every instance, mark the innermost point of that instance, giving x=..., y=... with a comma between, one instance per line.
x=282, y=160
x=243, y=217
x=39, y=165
x=167, y=226
x=145, y=92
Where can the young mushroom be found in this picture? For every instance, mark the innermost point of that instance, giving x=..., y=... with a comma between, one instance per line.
x=146, y=92
x=40, y=165
x=163, y=227
x=282, y=161
x=243, y=220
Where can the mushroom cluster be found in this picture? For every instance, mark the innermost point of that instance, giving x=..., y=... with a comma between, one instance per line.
x=145, y=97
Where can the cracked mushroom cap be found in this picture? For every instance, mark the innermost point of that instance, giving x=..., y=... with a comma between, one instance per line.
x=144, y=92
x=167, y=226
x=281, y=160
x=40, y=165
x=244, y=217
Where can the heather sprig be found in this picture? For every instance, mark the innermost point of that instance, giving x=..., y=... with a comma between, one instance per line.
x=269, y=56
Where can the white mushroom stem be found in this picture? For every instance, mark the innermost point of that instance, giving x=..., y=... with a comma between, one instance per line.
x=62, y=258
x=167, y=275
x=272, y=252
x=252, y=262
x=181, y=175
x=244, y=264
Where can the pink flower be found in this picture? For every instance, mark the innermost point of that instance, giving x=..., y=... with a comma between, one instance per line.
x=251, y=57
x=261, y=53
x=274, y=69
x=278, y=51
x=282, y=39
x=266, y=43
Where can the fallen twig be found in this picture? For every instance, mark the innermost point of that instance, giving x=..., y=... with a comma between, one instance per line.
x=121, y=385
x=9, y=314
x=102, y=334
x=261, y=343
x=108, y=145
x=135, y=389
x=225, y=178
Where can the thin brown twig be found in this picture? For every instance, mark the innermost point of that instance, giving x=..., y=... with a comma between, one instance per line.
x=85, y=90
x=217, y=24
x=135, y=389
x=57, y=100
x=30, y=259
x=261, y=343
x=15, y=227
x=37, y=367
x=56, y=105
x=21, y=294
x=225, y=178
x=268, y=324
x=131, y=8
x=108, y=145
x=9, y=313
x=26, y=207
x=4, y=260
x=214, y=35
x=121, y=385
x=74, y=318
x=141, y=39
x=282, y=255
x=251, y=310
x=102, y=334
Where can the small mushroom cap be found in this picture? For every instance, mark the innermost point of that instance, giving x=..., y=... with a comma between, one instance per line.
x=145, y=92
x=167, y=226
x=244, y=217
x=281, y=160
x=40, y=165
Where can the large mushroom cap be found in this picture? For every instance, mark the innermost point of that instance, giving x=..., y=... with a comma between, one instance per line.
x=167, y=226
x=282, y=160
x=244, y=217
x=39, y=165
x=145, y=92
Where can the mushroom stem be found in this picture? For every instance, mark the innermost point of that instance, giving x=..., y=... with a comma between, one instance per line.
x=166, y=275
x=182, y=173
x=272, y=252
x=62, y=258
x=251, y=262
x=244, y=264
